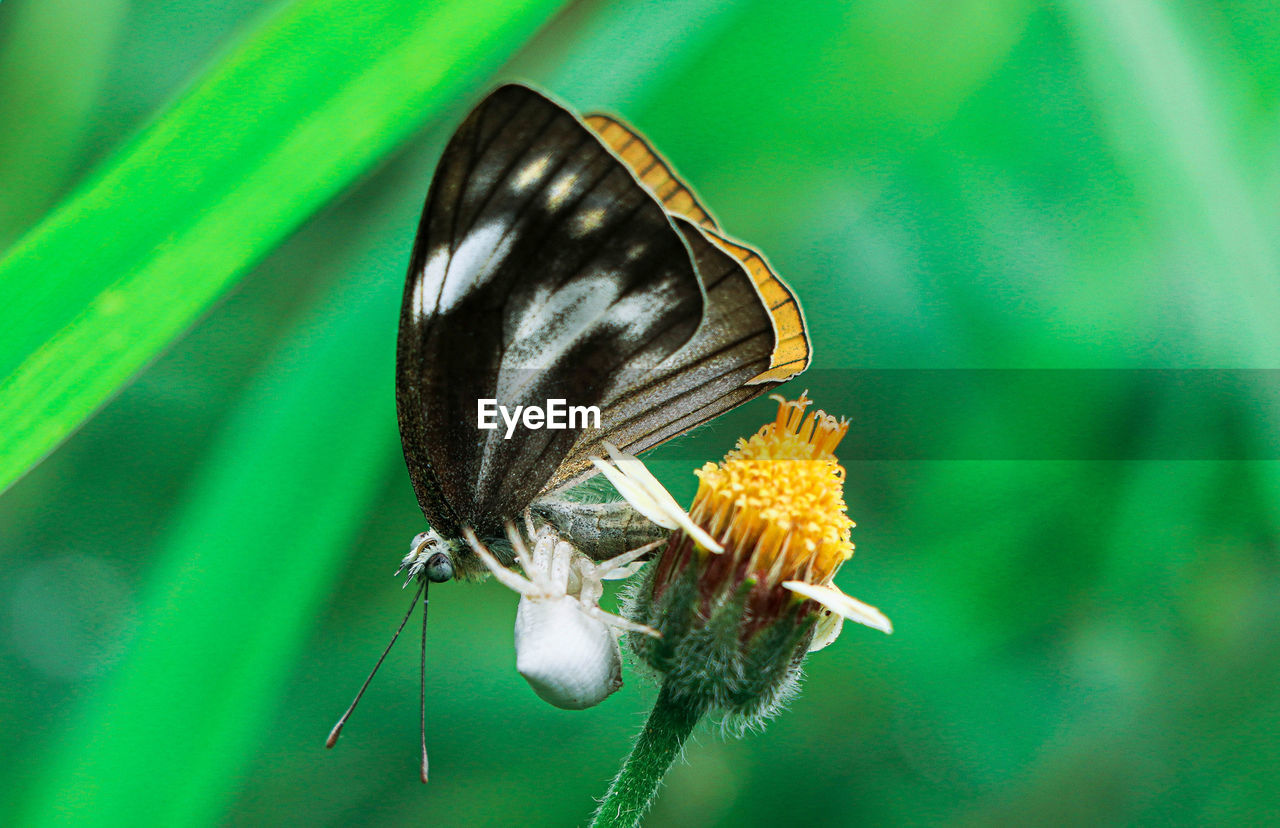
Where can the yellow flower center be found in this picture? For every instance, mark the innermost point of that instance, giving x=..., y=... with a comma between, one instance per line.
x=778, y=497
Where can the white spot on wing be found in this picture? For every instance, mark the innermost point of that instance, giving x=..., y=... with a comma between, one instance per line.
x=586, y=221
x=426, y=289
x=473, y=263
x=560, y=190
x=634, y=310
x=529, y=176
x=557, y=320
x=550, y=325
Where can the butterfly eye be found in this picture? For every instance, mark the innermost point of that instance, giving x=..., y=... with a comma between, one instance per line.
x=440, y=568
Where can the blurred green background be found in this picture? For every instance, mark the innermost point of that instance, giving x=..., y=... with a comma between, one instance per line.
x=197, y=580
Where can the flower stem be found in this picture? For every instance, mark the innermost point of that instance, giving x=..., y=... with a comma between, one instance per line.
x=636, y=785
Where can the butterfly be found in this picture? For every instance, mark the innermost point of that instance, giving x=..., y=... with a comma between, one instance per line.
x=559, y=258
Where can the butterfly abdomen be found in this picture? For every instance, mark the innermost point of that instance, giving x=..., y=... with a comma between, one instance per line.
x=599, y=530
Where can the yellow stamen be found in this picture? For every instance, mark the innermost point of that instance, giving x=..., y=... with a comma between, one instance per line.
x=777, y=498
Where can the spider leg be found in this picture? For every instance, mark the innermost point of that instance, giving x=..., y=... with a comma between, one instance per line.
x=507, y=577
x=607, y=568
x=562, y=560
x=618, y=622
x=532, y=567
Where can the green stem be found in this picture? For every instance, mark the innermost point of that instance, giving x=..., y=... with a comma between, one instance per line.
x=636, y=785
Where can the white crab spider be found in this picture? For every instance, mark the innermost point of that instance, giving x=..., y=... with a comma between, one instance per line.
x=566, y=645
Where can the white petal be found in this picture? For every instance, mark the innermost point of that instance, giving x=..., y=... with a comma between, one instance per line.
x=836, y=601
x=635, y=495
x=827, y=630
x=654, y=496
x=634, y=468
x=507, y=577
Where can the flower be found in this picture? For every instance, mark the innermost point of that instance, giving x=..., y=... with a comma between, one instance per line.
x=643, y=491
x=736, y=623
x=791, y=517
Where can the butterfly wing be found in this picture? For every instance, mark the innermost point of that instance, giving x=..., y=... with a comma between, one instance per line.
x=540, y=271
x=752, y=336
x=651, y=169
x=791, y=352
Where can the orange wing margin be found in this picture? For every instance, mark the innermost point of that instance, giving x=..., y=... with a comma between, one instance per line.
x=652, y=169
x=791, y=350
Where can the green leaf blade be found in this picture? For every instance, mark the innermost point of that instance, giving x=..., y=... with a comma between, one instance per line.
x=274, y=131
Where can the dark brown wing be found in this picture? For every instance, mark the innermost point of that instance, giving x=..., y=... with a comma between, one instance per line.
x=752, y=336
x=541, y=270
x=651, y=169
x=792, y=352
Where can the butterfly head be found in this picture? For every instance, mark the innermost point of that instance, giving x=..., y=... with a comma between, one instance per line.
x=430, y=556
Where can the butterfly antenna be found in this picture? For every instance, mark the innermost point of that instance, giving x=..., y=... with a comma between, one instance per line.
x=422, y=681
x=337, y=729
